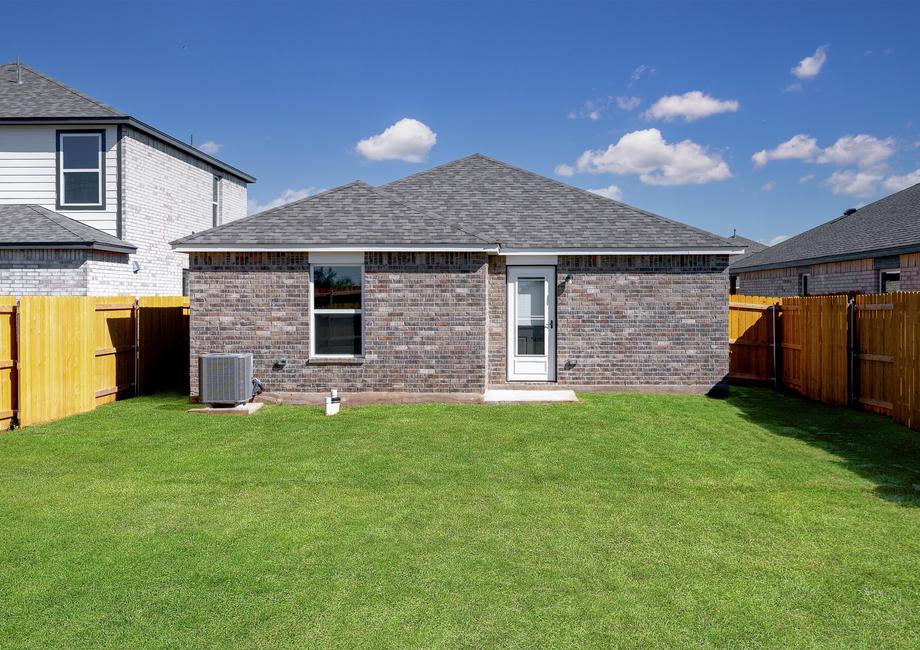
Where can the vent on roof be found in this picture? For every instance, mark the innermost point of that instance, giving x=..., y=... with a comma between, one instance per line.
x=849, y=211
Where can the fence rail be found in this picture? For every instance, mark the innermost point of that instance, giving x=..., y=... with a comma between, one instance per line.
x=65, y=355
x=864, y=352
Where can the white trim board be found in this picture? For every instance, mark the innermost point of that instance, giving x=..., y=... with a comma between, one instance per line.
x=444, y=248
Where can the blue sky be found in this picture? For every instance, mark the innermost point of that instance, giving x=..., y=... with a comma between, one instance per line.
x=286, y=91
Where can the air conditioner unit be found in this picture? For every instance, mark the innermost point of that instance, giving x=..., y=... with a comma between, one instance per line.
x=225, y=378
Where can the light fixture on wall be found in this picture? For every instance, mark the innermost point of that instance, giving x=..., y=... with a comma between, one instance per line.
x=135, y=266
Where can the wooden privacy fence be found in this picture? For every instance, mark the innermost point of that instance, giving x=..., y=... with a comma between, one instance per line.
x=64, y=355
x=863, y=352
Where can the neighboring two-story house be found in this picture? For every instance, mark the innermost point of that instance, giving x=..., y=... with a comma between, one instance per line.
x=875, y=249
x=90, y=197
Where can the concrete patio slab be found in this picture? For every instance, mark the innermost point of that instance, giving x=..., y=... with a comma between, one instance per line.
x=519, y=395
x=242, y=409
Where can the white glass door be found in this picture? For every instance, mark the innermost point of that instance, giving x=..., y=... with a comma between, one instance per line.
x=531, y=323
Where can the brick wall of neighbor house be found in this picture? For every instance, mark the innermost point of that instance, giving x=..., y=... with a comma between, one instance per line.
x=424, y=321
x=233, y=197
x=167, y=195
x=28, y=272
x=910, y=272
x=629, y=321
x=772, y=282
x=843, y=277
x=109, y=274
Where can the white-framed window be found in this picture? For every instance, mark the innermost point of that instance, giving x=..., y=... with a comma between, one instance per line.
x=337, y=302
x=215, y=202
x=889, y=281
x=81, y=170
x=803, y=283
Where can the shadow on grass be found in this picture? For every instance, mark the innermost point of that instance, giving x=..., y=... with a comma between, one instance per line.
x=873, y=446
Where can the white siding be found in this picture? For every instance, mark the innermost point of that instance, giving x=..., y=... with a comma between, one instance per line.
x=28, y=167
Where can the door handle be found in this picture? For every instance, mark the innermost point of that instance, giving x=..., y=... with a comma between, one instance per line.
x=551, y=324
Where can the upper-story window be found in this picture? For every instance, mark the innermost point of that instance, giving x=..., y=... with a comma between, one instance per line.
x=215, y=202
x=81, y=170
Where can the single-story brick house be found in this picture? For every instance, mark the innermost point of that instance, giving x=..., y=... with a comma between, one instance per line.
x=470, y=275
x=874, y=249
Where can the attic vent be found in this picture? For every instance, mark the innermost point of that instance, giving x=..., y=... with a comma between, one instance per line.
x=849, y=211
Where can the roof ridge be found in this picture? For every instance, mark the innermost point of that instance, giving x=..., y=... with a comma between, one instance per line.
x=426, y=213
x=76, y=92
x=593, y=195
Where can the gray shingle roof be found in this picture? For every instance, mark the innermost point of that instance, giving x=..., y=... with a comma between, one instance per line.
x=32, y=226
x=39, y=96
x=351, y=214
x=472, y=201
x=890, y=225
x=750, y=247
x=521, y=209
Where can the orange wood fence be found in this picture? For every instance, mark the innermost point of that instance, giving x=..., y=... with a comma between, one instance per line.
x=864, y=352
x=66, y=355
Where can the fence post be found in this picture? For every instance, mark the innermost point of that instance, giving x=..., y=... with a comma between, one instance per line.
x=852, y=365
x=136, y=312
x=777, y=346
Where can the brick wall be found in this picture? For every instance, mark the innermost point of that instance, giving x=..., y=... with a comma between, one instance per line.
x=424, y=321
x=910, y=272
x=629, y=321
x=167, y=195
x=843, y=277
x=43, y=272
x=773, y=282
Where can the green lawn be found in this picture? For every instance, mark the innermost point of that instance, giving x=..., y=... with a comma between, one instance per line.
x=623, y=520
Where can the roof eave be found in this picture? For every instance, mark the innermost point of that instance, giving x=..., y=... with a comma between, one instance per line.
x=826, y=259
x=191, y=247
x=141, y=126
x=627, y=250
x=99, y=246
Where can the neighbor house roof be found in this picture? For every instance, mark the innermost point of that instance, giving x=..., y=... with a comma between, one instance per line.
x=351, y=214
x=889, y=226
x=750, y=246
x=32, y=226
x=473, y=201
x=41, y=99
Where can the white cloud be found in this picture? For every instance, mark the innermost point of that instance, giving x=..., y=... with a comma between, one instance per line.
x=793, y=88
x=865, y=151
x=862, y=150
x=564, y=170
x=898, y=183
x=640, y=72
x=210, y=147
x=690, y=106
x=799, y=146
x=609, y=192
x=287, y=196
x=853, y=183
x=628, y=103
x=408, y=140
x=806, y=178
x=768, y=186
x=656, y=161
x=810, y=66
x=778, y=239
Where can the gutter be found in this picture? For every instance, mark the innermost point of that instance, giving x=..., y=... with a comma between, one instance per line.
x=97, y=246
x=494, y=249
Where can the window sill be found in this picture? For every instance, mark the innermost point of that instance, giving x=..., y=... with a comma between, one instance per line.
x=335, y=361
